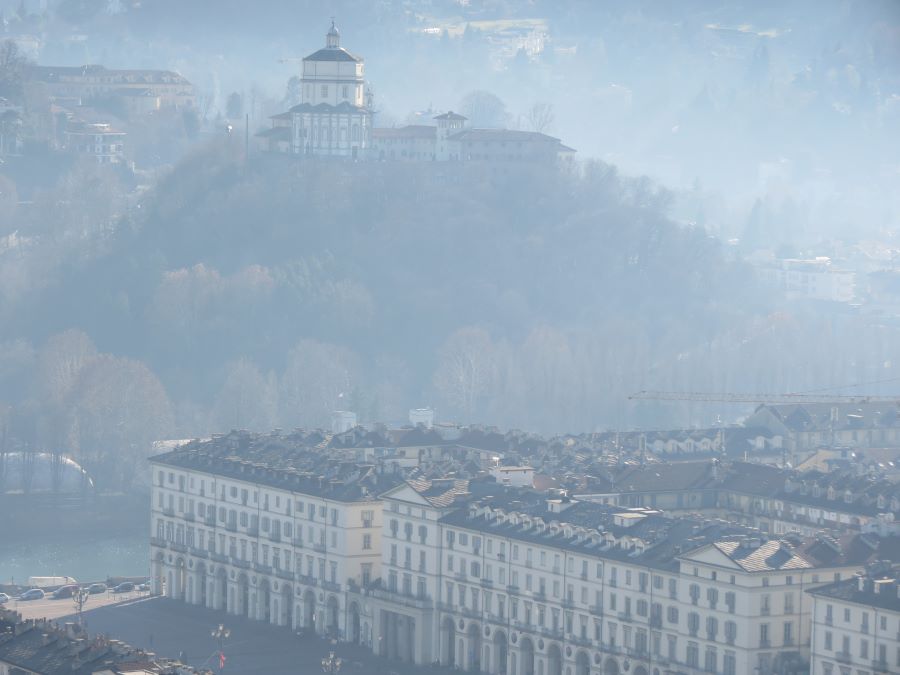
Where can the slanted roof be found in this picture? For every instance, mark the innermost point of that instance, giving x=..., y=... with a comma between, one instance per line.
x=503, y=135
x=770, y=556
x=276, y=133
x=450, y=115
x=332, y=54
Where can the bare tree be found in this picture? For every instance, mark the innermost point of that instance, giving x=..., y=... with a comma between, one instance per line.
x=60, y=363
x=484, y=110
x=318, y=377
x=247, y=399
x=467, y=369
x=12, y=70
x=119, y=411
x=540, y=117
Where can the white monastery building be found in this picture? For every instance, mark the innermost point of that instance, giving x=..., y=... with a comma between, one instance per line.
x=334, y=119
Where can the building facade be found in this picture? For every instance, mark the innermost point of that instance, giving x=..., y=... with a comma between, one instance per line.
x=273, y=544
x=483, y=577
x=856, y=624
x=580, y=588
x=334, y=117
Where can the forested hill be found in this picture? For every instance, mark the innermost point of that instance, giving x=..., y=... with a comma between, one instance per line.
x=269, y=292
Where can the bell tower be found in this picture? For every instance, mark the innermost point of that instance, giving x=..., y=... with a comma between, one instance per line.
x=333, y=37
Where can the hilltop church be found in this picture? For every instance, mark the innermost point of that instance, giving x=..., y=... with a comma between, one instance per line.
x=334, y=116
x=334, y=119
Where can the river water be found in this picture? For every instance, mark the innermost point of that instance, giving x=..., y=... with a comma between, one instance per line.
x=86, y=558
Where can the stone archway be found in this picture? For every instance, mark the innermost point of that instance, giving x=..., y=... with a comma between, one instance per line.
x=353, y=632
x=554, y=660
x=332, y=612
x=582, y=663
x=287, y=606
x=200, y=585
x=220, y=601
x=180, y=580
x=611, y=667
x=448, y=642
x=158, y=578
x=501, y=653
x=264, y=601
x=242, y=598
x=309, y=610
x=473, y=639
x=527, y=661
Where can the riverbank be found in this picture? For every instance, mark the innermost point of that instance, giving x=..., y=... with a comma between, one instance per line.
x=90, y=539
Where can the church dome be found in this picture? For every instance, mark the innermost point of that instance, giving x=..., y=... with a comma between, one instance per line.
x=333, y=37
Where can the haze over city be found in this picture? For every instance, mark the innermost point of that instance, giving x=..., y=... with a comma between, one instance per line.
x=516, y=338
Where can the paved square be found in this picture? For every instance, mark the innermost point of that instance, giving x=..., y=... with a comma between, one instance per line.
x=168, y=627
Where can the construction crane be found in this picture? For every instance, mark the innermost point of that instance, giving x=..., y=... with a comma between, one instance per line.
x=726, y=397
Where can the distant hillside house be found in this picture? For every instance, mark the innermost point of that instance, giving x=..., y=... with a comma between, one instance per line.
x=452, y=140
x=809, y=426
x=333, y=118
x=99, y=140
x=140, y=91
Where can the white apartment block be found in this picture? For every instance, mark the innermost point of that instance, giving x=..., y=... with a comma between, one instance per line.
x=519, y=587
x=483, y=577
x=856, y=624
x=265, y=540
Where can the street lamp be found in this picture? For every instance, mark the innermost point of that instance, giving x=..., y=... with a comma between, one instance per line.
x=331, y=664
x=80, y=596
x=221, y=634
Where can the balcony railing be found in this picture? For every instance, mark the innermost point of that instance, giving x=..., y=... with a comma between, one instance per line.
x=210, y=521
x=331, y=586
x=181, y=548
x=169, y=511
x=262, y=569
x=199, y=552
x=297, y=542
x=319, y=547
x=306, y=579
x=880, y=666
x=287, y=575
x=237, y=562
x=275, y=536
x=596, y=610
x=512, y=589
x=218, y=557
x=189, y=516
x=231, y=526
x=414, y=602
x=488, y=583
x=843, y=657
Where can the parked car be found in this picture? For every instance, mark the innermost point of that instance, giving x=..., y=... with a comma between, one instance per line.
x=32, y=594
x=64, y=592
x=124, y=587
x=144, y=587
x=93, y=589
x=3, y=598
